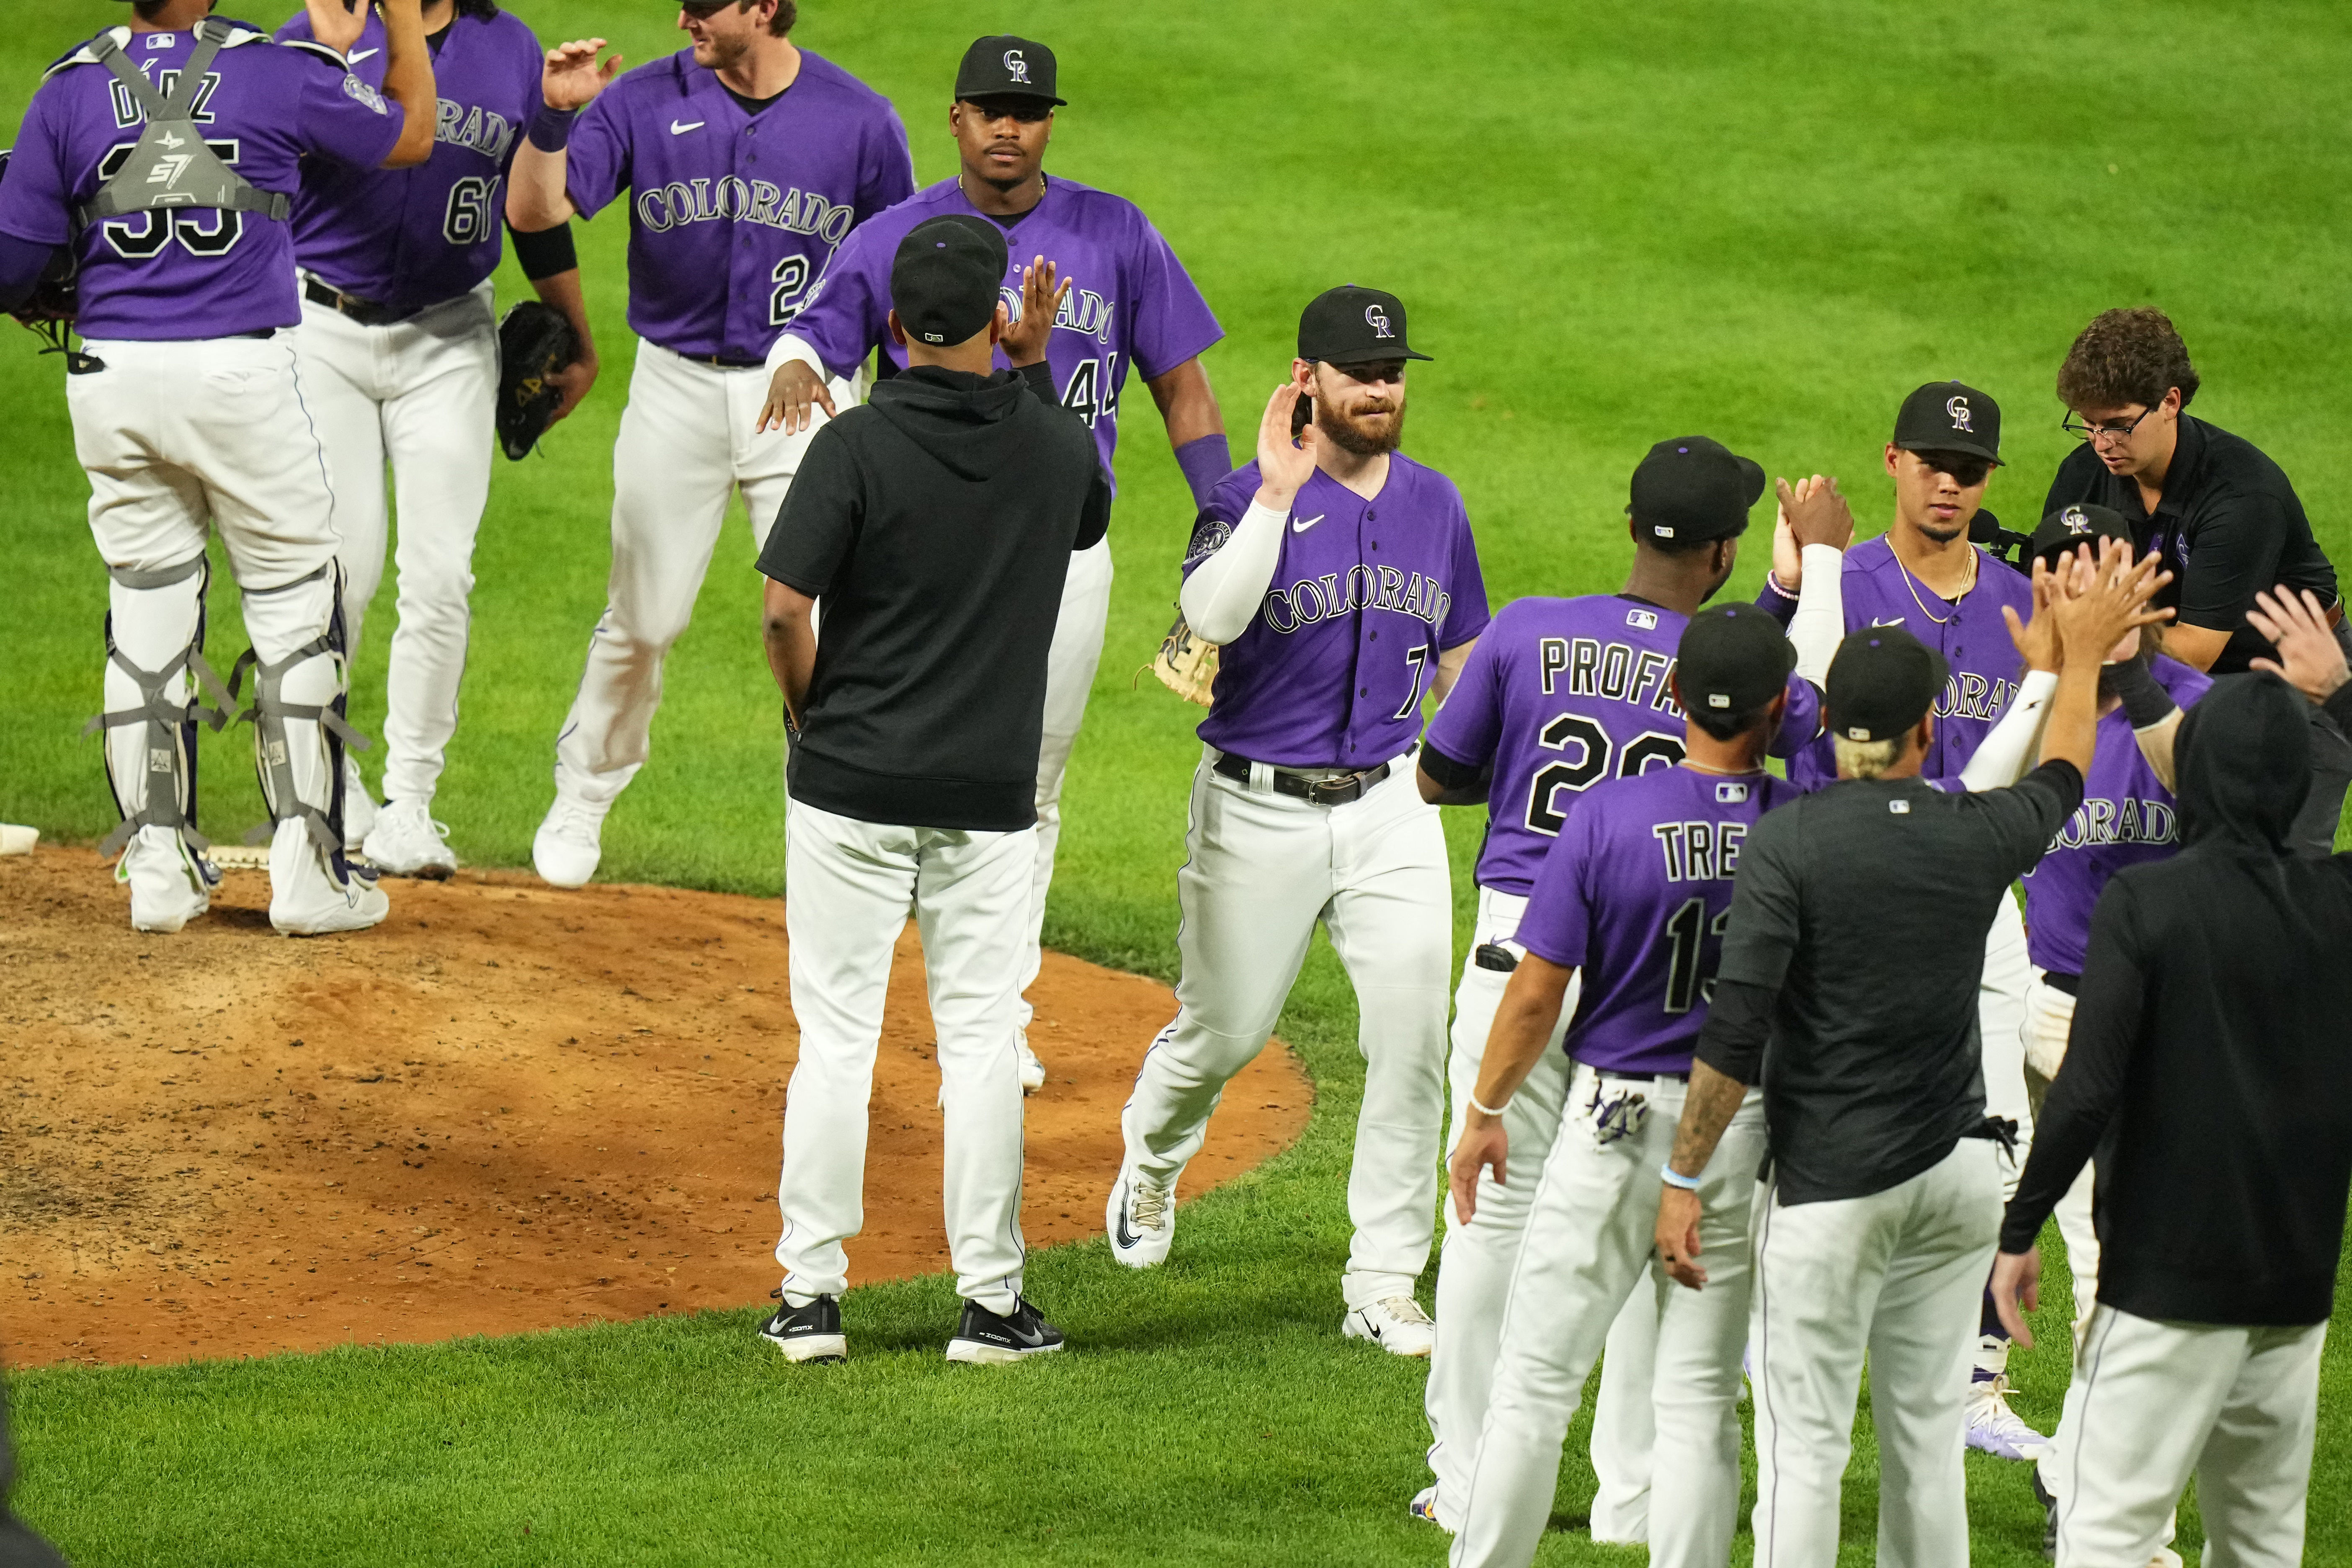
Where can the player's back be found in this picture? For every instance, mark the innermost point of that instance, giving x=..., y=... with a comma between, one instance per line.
x=193, y=272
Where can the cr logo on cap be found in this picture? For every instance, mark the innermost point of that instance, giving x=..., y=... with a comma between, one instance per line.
x=1379, y=321
x=1017, y=65
x=1957, y=407
x=2074, y=520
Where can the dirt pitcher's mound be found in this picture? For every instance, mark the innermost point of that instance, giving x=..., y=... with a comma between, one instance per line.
x=507, y=1108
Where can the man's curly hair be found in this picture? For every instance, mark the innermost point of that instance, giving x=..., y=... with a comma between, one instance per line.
x=2125, y=357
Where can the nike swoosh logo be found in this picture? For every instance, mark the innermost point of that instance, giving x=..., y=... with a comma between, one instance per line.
x=1302, y=527
x=364, y=54
x=680, y=127
x=1893, y=621
x=1126, y=1237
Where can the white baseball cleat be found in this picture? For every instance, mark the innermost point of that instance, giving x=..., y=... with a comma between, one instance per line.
x=1424, y=1506
x=306, y=898
x=1396, y=1324
x=1140, y=1219
x=569, y=843
x=16, y=840
x=359, y=807
x=169, y=886
x=407, y=842
x=1032, y=1071
x=1994, y=1428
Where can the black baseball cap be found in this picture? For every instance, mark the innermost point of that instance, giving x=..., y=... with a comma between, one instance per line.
x=1882, y=683
x=1349, y=325
x=1691, y=488
x=2069, y=526
x=1732, y=661
x=944, y=279
x=1001, y=66
x=1950, y=416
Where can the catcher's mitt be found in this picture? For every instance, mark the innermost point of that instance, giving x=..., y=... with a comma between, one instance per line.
x=534, y=342
x=1187, y=665
x=49, y=310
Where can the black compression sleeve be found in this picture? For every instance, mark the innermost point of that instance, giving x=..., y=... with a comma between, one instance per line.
x=1451, y=772
x=2145, y=702
x=545, y=253
x=1739, y=1021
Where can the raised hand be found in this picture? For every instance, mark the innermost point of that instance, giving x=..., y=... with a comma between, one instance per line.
x=337, y=24
x=1284, y=465
x=572, y=79
x=1817, y=513
x=1025, y=341
x=792, y=391
x=2037, y=639
x=2107, y=599
x=2309, y=657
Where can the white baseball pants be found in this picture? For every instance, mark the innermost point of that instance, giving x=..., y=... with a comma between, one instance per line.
x=422, y=396
x=1474, y=1269
x=1625, y=1422
x=850, y=887
x=686, y=445
x=2000, y=1021
x=1070, y=667
x=1899, y=1277
x=1262, y=870
x=1588, y=1252
x=2236, y=1407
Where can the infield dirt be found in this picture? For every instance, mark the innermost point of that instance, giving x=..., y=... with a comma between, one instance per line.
x=508, y=1108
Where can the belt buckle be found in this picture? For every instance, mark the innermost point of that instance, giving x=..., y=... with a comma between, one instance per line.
x=1345, y=790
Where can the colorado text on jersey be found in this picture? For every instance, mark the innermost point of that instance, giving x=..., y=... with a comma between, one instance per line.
x=1313, y=599
x=729, y=199
x=2119, y=822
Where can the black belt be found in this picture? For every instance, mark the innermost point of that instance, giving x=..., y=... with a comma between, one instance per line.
x=1339, y=789
x=366, y=312
x=1639, y=1076
x=719, y=361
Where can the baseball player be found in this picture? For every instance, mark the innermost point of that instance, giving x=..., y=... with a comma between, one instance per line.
x=1341, y=580
x=749, y=159
x=1633, y=894
x=399, y=352
x=166, y=154
x=1924, y=574
x=1132, y=306
x=1559, y=696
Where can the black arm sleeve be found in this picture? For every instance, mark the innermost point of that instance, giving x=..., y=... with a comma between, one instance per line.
x=1452, y=772
x=22, y=264
x=1739, y=1021
x=2145, y=702
x=546, y=252
x=2099, y=1052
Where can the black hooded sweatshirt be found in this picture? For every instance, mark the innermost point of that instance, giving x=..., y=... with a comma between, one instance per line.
x=2210, y=1063
x=934, y=525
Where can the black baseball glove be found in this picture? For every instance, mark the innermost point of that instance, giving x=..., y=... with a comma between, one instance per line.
x=534, y=342
x=48, y=312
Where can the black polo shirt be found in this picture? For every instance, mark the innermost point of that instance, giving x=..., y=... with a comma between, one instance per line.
x=2228, y=524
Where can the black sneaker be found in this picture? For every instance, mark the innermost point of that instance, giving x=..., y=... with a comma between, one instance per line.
x=810, y=1334
x=983, y=1339
x=2049, y=1514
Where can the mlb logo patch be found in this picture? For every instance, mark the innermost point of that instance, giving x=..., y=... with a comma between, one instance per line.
x=1731, y=795
x=1642, y=620
x=161, y=40
x=1899, y=807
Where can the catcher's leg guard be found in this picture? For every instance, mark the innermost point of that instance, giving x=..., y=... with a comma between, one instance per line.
x=155, y=675
x=300, y=731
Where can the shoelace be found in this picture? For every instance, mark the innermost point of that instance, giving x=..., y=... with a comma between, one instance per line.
x=1405, y=1309
x=573, y=820
x=1146, y=1206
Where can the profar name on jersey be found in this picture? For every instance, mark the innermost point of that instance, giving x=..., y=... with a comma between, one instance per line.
x=1620, y=672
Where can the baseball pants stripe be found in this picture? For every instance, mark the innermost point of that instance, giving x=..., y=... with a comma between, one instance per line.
x=1262, y=870
x=2236, y=1407
x=1588, y=1252
x=1897, y=1277
x=686, y=445
x=850, y=887
x=421, y=394
x=1070, y=666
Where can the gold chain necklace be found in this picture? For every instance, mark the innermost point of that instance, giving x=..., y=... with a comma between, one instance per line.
x=1722, y=772
x=1912, y=583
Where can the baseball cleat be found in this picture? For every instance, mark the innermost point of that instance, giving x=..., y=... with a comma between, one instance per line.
x=169, y=885
x=1396, y=1324
x=983, y=1339
x=1140, y=1219
x=406, y=842
x=2049, y=1503
x=306, y=897
x=1424, y=1506
x=1994, y=1428
x=359, y=808
x=1032, y=1071
x=810, y=1334
x=569, y=843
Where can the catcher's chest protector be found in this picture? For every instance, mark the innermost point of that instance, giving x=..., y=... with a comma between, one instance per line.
x=171, y=167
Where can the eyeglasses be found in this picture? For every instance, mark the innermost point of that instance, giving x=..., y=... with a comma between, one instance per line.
x=2082, y=432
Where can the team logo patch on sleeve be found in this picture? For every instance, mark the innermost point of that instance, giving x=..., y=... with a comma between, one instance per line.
x=1209, y=536
x=362, y=93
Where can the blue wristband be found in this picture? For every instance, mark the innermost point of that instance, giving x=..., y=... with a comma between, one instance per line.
x=1204, y=462
x=1673, y=1178
x=551, y=128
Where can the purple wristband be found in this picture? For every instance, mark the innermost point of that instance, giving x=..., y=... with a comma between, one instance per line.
x=551, y=128
x=1204, y=462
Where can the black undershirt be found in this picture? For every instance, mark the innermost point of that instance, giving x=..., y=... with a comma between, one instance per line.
x=755, y=107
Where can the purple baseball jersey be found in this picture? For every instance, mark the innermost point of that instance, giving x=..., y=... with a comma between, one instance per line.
x=1314, y=682
x=199, y=272
x=2126, y=816
x=1560, y=694
x=1970, y=635
x=413, y=238
x=1636, y=892
x=735, y=214
x=1131, y=303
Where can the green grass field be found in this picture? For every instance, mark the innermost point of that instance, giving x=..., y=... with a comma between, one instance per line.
x=1613, y=223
